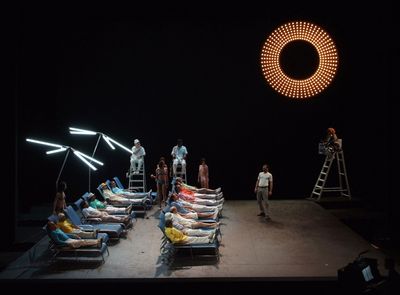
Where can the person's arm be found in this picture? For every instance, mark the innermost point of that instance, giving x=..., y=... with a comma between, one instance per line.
x=184, y=153
x=270, y=186
x=255, y=188
x=55, y=205
x=198, y=174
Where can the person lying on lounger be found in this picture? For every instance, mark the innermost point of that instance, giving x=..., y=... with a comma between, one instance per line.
x=90, y=212
x=127, y=194
x=194, y=189
x=103, y=206
x=193, y=199
x=183, y=205
x=70, y=240
x=191, y=214
x=180, y=189
x=191, y=223
x=189, y=231
x=177, y=237
x=67, y=227
x=117, y=199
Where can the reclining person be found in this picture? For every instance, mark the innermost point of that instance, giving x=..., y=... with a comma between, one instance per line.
x=190, y=223
x=90, y=212
x=117, y=199
x=192, y=199
x=126, y=194
x=180, y=189
x=102, y=206
x=70, y=240
x=192, y=214
x=179, y=180
x=69, y=228
x=189, y=231
x=177, y=237
x=175, y=201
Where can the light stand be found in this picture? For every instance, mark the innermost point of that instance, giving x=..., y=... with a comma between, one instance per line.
x=107, y=139
x=61, y=148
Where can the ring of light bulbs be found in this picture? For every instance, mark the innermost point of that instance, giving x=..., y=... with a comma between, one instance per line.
x=299, y=88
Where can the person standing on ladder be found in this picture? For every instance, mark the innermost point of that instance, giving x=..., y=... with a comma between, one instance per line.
x=178, y=154
x=137, y=157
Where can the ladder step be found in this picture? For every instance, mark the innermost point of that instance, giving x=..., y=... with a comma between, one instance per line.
x=135, y=180
x=318, y=186
x=324, y=173
x=315, y=193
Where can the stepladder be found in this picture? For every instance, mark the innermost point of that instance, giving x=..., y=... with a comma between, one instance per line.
x=334, y=162
x=137, y=181
x=180, y=173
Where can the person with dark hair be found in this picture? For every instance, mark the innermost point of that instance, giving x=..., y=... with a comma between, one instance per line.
x=59, y=203
x=202, y=176
x=263, y=190
x=178, y=154
x=161, y=178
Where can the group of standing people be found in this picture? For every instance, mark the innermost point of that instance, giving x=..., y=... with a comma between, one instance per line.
x=263, y=187
x=161, y=175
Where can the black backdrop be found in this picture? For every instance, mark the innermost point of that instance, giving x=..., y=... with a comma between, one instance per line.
x=159, y=75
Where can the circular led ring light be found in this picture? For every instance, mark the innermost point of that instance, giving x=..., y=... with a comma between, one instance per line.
x=294, y=88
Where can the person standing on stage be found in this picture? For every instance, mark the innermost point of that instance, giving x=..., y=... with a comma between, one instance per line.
x=202, y=177
x=263, y=190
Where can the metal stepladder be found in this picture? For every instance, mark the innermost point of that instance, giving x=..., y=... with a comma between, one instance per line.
x=320, y=185
x=180, y=173
x=137, y=182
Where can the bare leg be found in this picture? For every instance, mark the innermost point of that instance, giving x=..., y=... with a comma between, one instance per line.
x=164, y=192
x=159, y=194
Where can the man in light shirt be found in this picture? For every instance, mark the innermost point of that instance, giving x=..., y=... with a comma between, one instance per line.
x=137, y=157
x=178, y=154
x=263, y=190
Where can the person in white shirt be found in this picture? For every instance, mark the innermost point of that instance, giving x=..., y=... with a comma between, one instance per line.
x=178, y=154
x=137, y=157
x=263, y=190
x=90, y=212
